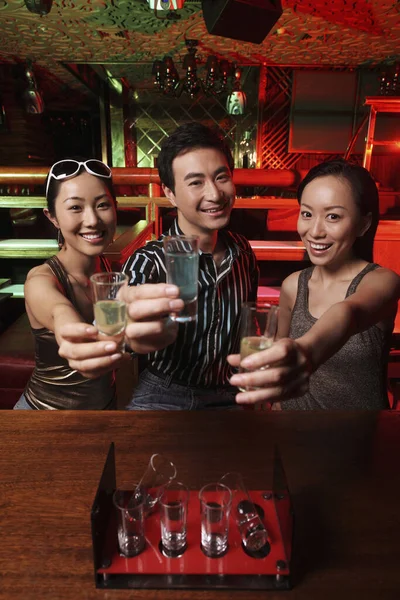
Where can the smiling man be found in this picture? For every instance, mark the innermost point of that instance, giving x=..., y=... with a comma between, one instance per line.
x=195, y=167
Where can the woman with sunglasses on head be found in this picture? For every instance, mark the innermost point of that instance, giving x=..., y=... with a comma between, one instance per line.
x=74, y=367
x=338, y=313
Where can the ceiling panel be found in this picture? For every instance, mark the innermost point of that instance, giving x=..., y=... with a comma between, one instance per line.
x=324, y=32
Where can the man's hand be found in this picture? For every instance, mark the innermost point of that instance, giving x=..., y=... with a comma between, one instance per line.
x=280, y=372
x=86, y=351
x=149, y=305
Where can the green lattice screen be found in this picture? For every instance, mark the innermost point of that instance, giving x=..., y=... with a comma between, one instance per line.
x=157, y=116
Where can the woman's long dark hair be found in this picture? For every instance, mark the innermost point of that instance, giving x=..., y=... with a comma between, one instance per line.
x=365, y=194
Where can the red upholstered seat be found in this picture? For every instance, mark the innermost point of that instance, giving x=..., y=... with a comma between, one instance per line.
x=268, y=294
x=16, y=361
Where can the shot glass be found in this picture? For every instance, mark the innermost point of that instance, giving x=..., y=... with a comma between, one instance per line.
x=109, y=310
x=215, y=506
x=131, y=517
x=252, y=530
x=258, y=328
x=182, y=264
x=173, y=519
x=159, y=472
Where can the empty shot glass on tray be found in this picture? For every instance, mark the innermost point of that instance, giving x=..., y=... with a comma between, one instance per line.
x=109, y=310
x=159, y=472
x=130, y=519
x=252, y=530
x=215, y=506
x=173, y=519
x=182, y=264
x=258, y=329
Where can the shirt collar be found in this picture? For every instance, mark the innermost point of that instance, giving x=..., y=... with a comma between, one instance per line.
x=174, y=229
x=223, y=234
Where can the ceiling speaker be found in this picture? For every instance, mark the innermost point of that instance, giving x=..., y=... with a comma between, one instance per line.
x=245, y=20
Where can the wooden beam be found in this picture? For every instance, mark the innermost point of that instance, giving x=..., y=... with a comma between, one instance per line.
x=126, y=244
x=277, y=250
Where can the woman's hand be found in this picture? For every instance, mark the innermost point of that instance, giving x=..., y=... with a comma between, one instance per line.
x=149, y=328
x=280, y=372
x=88, y=352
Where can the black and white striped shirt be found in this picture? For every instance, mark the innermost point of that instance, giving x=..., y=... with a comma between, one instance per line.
x=198, y=356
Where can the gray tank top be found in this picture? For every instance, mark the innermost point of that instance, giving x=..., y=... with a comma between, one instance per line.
x=354, y=377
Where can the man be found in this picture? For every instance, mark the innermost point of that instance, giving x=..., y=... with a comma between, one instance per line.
x=195, y=168
x=188, y=364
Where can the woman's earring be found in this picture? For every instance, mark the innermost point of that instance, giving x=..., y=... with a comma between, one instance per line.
x=60, y=238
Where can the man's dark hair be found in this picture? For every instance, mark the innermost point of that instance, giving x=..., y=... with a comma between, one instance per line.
x=187, y=137
x=365, y=195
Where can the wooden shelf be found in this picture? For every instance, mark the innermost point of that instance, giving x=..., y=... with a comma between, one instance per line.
x=23, y=248
x=388, y=231
x=253, y=202
x=4, y=296
x=386, y=104
x=269, y=294
x=22, y=202
x=4, y=283
x=133, y=238
x=15, y=290
x=127, y=202
x=271, y=250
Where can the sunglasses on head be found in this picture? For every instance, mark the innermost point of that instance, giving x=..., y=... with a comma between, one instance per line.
x=68, y=168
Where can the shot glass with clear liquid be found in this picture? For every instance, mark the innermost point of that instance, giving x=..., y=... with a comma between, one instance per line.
x=182, y=264
x=258, y=328
x=109, y=310
x=215, y=506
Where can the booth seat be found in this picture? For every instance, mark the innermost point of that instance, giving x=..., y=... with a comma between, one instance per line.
x=268, y=294
x=16, y=361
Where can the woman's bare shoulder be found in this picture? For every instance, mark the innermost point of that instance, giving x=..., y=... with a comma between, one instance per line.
x=41, y=275
x=381, y=276
x=43, y=269
x=290, y=284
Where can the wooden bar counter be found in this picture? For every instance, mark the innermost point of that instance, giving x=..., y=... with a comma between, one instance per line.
x=342, y=470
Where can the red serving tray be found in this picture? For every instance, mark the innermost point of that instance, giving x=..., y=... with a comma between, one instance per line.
x=194, y=561
x=151, y=569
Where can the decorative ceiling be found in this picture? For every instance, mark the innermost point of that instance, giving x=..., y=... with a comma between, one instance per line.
x=309, y=33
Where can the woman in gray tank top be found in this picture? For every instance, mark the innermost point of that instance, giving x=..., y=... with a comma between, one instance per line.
x=336, y=316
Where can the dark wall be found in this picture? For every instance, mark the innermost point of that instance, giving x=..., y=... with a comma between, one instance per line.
x=24, y=139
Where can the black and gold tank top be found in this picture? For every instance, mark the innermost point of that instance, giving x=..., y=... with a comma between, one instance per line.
x=53, y=384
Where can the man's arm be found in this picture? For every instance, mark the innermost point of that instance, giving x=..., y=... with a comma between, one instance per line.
x=149, y=304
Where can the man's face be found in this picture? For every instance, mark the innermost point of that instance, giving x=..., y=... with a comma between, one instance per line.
x=204, y=191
